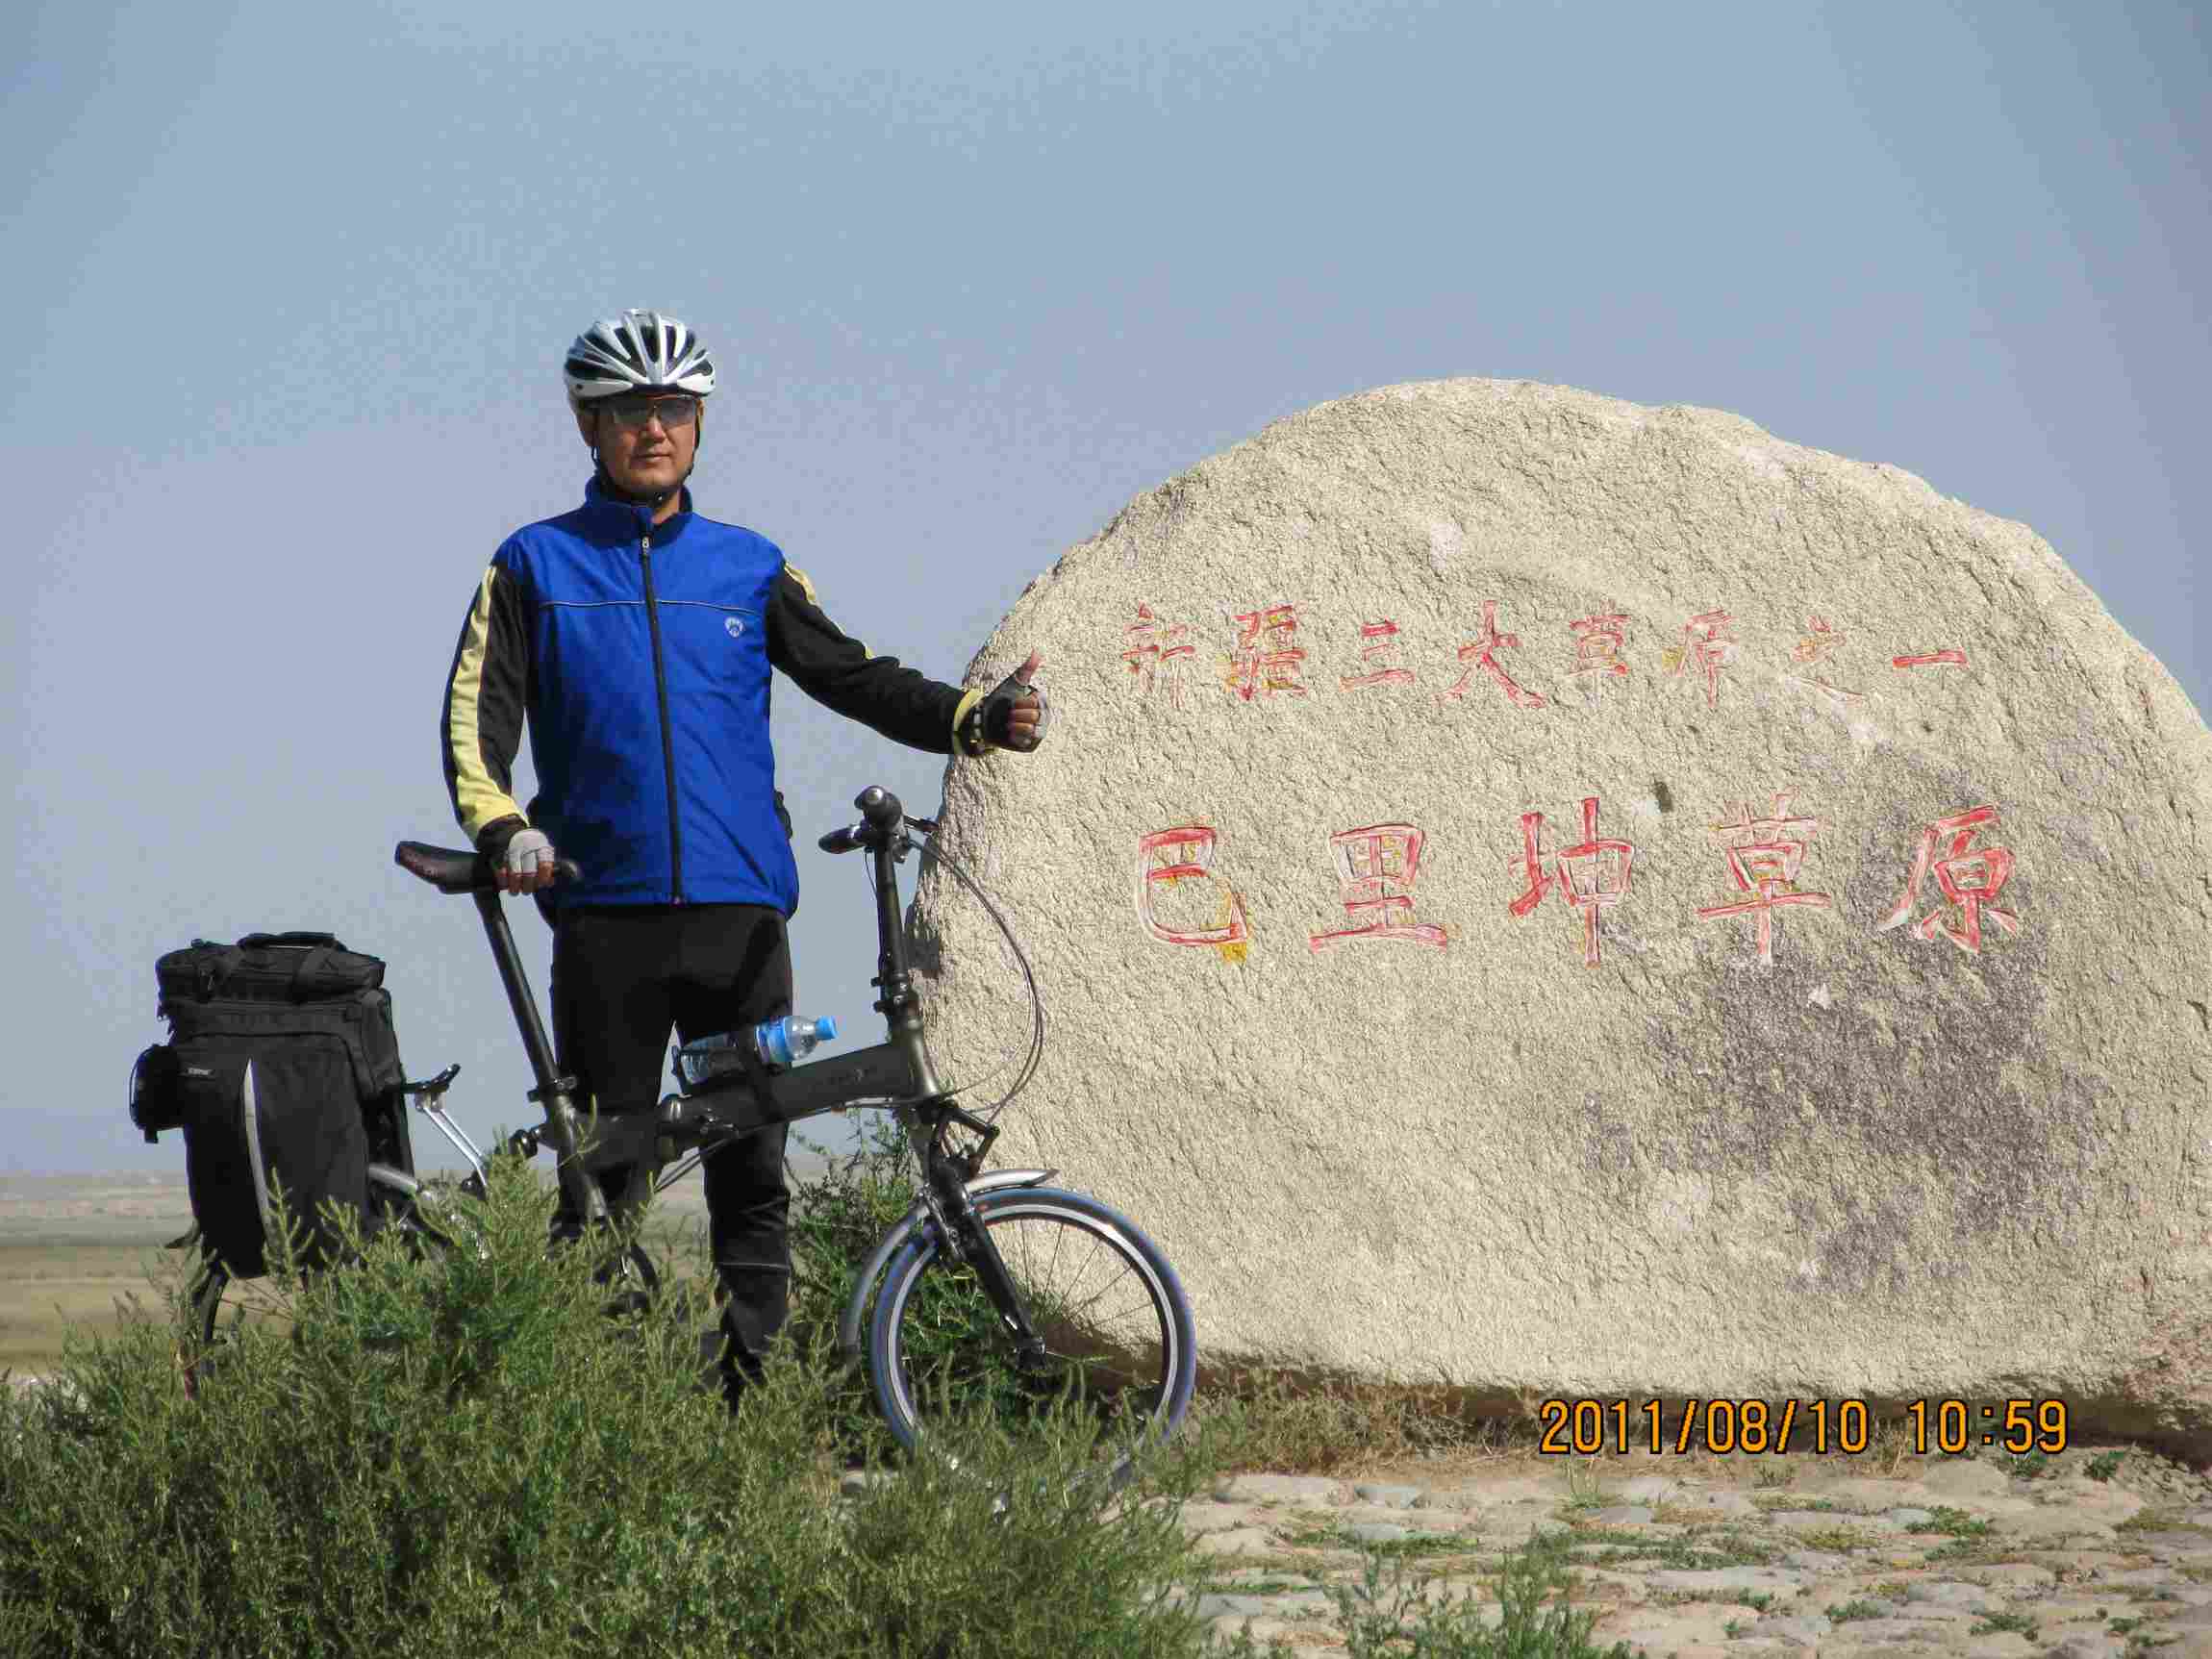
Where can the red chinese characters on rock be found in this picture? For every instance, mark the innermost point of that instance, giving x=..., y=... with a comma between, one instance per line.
x=1156, y=651
x=1482, y=654
x=1379, y=644
x=1813, y=649
x=1707, y=643
x=1186, y=853
x=1971, y=879
x=1598, y=642
x=1591, y=877
x=1267, y=662
x=1764, y=855
x=1377, y=867
x=1818, y=645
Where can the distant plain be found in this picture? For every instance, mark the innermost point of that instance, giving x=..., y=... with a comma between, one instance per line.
x=75, y=1250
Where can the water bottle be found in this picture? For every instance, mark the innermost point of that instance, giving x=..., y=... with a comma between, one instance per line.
x=773, y=1042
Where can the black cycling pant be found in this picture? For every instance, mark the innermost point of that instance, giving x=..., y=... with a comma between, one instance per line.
x=622, y=976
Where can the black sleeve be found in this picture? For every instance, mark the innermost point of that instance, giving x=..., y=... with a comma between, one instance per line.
x=486, y=690
x=837, y=671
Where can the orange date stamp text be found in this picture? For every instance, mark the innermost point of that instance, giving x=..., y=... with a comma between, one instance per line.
x=1588, y=1428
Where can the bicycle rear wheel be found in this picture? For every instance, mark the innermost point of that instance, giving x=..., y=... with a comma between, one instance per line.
x=1120, y=1347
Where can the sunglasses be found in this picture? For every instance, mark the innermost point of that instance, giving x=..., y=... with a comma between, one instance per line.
x=633, y=412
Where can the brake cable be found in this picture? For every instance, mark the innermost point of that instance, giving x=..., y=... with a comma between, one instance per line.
x=1036, y=1053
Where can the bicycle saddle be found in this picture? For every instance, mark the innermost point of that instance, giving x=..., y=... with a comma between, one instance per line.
x=454, y=869
x=449, y=869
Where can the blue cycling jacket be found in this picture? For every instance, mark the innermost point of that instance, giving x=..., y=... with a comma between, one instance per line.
x=640, y=656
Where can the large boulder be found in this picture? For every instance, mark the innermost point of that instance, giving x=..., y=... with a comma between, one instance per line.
x=1539, y=893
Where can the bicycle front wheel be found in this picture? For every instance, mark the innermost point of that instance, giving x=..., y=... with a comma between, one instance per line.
x=1120, y=1346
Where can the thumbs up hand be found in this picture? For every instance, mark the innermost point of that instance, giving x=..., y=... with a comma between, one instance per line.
x=1012, y=715
x=1019, y=722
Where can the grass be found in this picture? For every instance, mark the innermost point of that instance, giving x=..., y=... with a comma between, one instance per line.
x=50, y=1285
x=1951, y=1523
x=1846, y=1611
x=1418, y=1545
x=2161, y=1517
x=464, y=1453
x=1583, y=1488
x=1290, y=1420
x=1697, y=1553
x=465, y=1456
x=577, y=1465
x=1282, y=1420
x=1997, y=1624
x=1964, y=1551
x=1759, y=1602
x=1837, y=1539
x=80, y=1273
x=1386, y=1613
x=1801, y=1506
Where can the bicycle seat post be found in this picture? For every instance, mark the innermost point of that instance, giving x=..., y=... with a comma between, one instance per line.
x=553, y=1090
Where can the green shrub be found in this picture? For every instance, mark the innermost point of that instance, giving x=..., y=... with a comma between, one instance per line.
x=1951, y=1523
x=464, y=1455
x=837, y=1220
x=1387, y=1615
x=1844, y=1612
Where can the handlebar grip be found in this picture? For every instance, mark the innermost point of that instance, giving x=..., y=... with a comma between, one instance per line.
x=850, y=839
x=565, y=870
x=879, y=806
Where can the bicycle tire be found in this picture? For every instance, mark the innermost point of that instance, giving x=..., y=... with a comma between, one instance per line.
x=936, y=1344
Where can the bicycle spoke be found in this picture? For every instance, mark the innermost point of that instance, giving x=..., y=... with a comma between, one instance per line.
x=1116, y=1344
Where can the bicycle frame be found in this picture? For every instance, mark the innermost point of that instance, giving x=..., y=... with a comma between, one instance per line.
x=897, y=1073
x=894, y=1074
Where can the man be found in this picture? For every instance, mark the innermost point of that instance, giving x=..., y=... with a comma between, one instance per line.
x=637, y=637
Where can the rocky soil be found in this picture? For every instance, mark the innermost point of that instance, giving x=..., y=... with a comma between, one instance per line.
x=2097, y=1553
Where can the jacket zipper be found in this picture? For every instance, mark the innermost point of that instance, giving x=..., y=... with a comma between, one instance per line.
x=668, y=736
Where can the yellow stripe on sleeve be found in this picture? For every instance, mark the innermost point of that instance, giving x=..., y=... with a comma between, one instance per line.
x=807, y=587
x=477, y=796
x=967, y=701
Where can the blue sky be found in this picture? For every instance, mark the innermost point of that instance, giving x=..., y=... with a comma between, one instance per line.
x=288, y=286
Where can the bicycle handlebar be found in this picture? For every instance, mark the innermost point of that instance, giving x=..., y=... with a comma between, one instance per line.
x=881, y=819
x=457, y=870
x=879, y=806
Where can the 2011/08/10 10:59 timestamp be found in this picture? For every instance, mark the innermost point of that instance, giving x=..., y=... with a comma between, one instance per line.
x=1587, y=1427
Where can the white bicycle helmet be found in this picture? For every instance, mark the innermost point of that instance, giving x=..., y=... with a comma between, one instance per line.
x=638, y=351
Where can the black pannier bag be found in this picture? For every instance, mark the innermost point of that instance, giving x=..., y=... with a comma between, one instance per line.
x=283, y=1070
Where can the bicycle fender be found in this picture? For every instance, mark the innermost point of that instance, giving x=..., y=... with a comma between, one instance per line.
x=848, y=1337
